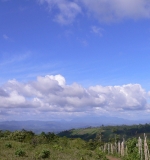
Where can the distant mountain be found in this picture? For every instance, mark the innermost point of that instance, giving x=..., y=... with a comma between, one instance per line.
x=58, y=126
x=39, y=126
x=35, y=126
x=102, y=120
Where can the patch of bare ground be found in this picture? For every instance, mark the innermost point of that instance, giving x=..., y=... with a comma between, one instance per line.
x=112, y=158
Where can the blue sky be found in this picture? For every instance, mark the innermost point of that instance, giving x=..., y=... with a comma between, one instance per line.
x=70, y=58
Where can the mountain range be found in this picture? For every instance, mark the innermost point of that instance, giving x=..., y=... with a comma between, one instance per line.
x=61, y=125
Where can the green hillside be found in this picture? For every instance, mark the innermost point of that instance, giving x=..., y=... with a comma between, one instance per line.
x=108, y=133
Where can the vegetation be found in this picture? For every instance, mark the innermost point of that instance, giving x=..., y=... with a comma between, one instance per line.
x=96, y=143
x=119, y=141
x=26, y=145
x=109, y=133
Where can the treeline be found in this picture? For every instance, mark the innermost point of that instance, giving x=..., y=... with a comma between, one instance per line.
x=28, y=136
x=132, y=130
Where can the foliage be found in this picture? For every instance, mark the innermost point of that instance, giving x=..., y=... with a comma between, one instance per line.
x=108, y=133
x=46, y=145
x=132, y=150
x=20, y=153
x=60, y=147
x=44, y=154
x=8, y=145
x=20, y=136
x=100, y=155
x=57, y=147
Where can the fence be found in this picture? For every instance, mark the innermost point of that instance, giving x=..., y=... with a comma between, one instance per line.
x=121, y=149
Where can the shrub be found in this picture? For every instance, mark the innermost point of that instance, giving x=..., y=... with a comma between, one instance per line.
x=100, y=155
x=34, y=141
x=132, y=150
x=8, y=145
x=44, y=154
x=57, y=147
x=20, y=153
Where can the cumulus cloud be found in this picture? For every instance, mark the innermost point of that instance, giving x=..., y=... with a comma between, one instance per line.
x=51, y=94
x=126, y=97
x=103, y=10
x=67, y=10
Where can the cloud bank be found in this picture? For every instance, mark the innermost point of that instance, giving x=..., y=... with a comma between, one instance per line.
x=52, y=94
x=102, y=10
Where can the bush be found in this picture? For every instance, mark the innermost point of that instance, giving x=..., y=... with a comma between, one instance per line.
x=34, y=141
x=132, y=150
x=44, y=154
x=57, y=147
x=8, y=145
x=100, y=155
x=20, y=153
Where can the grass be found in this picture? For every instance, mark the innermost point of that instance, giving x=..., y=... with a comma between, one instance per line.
x=63, y=149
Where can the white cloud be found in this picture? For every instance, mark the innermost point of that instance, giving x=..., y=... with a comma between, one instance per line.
x=67, y=10
x=52, y=94
x=13, y=100
x=103, y=10
x=126, y=97
x=112, y=10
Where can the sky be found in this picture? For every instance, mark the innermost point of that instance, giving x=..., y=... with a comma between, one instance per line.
x=61, y=59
